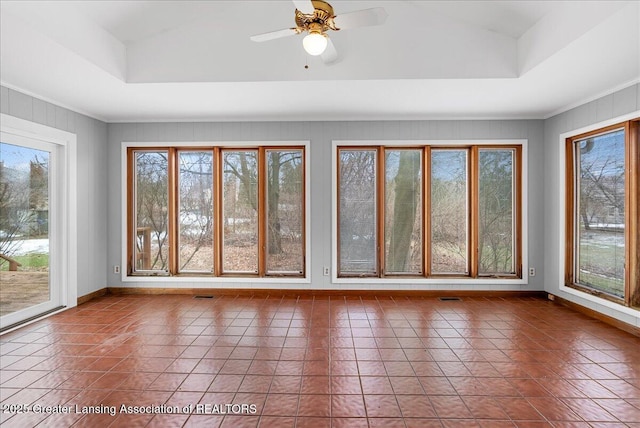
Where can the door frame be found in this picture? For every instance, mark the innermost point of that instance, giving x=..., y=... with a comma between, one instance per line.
x=65, y=182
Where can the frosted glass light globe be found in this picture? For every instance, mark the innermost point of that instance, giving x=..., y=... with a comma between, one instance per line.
x=315, y=43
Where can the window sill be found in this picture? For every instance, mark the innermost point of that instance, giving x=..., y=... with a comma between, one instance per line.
x=485, y=281
x=166, y=279
x=596, y=293
x=601, y=301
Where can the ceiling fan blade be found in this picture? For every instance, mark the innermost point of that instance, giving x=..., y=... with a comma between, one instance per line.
x=361, y=18
x=330, y=54
x=304, y=6
x=274, y=35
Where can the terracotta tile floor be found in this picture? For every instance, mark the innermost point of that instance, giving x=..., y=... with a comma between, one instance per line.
x=319, y=362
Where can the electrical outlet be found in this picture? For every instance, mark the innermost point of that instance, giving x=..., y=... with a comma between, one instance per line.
x=532, y=271
x=116, y=269
x=325, y=271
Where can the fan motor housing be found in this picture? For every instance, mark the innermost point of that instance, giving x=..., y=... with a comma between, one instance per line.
x=322, y=17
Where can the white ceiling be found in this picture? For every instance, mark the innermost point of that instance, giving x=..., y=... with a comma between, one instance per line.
x=193, y=60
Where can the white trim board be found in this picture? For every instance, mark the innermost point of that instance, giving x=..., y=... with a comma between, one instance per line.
x=68, y=196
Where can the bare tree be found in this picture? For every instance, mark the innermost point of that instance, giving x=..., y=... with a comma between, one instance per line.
x=601, y=183
x=404, y=211
x=240, y=200
x=449, y=211
x=496, y=211
x=21, y=196
x=357, y=210
x=152, y=204
x=246, y=172
x=195, y=206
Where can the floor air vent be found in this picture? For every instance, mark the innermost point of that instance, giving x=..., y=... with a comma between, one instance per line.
x=449, y=299
x=203, y=297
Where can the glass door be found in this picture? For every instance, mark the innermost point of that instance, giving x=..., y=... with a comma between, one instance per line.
x=28, y=230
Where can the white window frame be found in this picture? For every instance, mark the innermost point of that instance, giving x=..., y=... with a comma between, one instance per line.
x=63, y=188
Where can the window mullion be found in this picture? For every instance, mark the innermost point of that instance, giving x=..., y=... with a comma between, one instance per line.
x=173, y=210
x=635, y=217
x=304, y=212
x=131, y=214
x=262, y=218
x=380, y=229
x=575, y=210
x=632, y=264
x=217, y=211
x=426, y=212
x=570, y=203
x=474, y=186
x=517, y=210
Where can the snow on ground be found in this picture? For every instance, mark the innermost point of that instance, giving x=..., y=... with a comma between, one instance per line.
x=28, y=246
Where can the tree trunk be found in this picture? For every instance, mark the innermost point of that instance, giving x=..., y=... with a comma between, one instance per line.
x=585, y=218
x=404, y=212
x=273, y=199
x=247, y=182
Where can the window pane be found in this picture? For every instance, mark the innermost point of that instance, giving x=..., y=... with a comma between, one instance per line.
x=196, y=211
x=240, y=211
x=285, y=210
x=357, y=212
x=496, y=236
x=151, y=194
x=24, y=227
x=600, y=211
x=449, y=212
x=403, y=211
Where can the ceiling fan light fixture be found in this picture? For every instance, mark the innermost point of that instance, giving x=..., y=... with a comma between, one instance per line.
x=315, y=43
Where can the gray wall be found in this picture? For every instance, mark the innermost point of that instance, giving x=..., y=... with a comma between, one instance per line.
x=614, y=105
x=92, y=179
x=99, y=182
x=321, y=134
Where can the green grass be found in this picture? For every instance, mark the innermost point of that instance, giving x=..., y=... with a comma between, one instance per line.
x=28, y=262
x=608, y=285
x=601, y=258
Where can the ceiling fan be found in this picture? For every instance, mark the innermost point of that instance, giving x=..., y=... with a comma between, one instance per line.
x=316, y=17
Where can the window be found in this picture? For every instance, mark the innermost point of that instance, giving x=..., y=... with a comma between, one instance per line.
x=217, y=211
x=240, y=211
x=358, y=251
x=285, y=212
x=496, y=234
x=38, y=220
x=449, y=211
x=195, y=211
x=602, y=212
x=151, y=189
x=403, y=211
x=472, y=197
